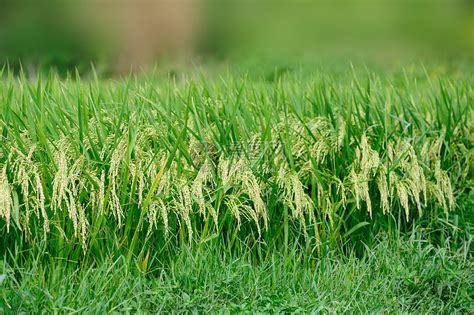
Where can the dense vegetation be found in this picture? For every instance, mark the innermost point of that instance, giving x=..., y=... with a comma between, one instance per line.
x=330, y=186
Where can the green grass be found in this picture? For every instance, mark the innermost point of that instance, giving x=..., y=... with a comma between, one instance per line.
x=332, y=189
x=405, y=275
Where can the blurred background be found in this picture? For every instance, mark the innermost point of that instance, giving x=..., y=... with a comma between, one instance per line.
x=119, y=36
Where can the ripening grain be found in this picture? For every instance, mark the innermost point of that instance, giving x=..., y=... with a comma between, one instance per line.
x=123, y=165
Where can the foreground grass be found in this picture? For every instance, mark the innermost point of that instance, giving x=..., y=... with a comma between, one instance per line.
x=403, y=275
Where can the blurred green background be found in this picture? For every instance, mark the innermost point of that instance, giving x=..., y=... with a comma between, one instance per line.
x=120, y=35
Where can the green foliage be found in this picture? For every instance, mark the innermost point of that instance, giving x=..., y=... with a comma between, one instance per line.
x=281, y=191
x=401, y=275
x=93, y=168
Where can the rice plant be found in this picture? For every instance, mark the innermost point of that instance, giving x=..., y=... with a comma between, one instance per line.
x=91, y=167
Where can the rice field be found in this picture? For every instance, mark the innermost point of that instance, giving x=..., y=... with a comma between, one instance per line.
x=305, y=168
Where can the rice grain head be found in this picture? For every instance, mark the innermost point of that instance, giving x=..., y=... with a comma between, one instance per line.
x=383, y=189
x=341, y=132
x=294, y=196
x=5, y=197
x=183, y=205
x=362, y=170
x=233, y=203
x=253, y=189
x=444, y=187
x=115, y=162
x=402, y=193
x=60, y=181
x=83, y=226
x=41, y=202
x=198, y=190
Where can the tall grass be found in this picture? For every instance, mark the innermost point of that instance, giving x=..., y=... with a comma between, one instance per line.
x=92, y=169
